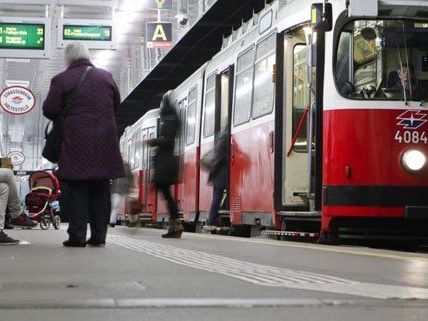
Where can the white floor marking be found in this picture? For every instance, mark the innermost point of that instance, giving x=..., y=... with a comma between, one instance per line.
x=326, y=248
x=109, y=303
x=265, y=275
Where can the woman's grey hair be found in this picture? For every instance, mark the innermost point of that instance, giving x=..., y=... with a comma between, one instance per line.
x=75, y=51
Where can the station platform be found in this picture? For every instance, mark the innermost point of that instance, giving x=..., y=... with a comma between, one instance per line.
x=140, y=276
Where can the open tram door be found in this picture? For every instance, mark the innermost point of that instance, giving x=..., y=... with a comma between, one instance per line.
x=296, y=124
x=224, y=85
x=299, y=122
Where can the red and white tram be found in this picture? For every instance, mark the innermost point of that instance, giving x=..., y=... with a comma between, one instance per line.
x=325, y=106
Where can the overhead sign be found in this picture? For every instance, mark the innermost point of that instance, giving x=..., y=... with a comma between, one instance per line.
x=16, y=157
x=161, y=4
x=82, y=33
x=96, y=34
x=22, y=36
x=17, y=100
x=159, y=34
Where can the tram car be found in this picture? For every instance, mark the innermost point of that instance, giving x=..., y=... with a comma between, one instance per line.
x=325, y=106
x=138, y=156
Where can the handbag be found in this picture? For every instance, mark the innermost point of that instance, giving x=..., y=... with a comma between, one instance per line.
x=210, y=160
x=53, y=136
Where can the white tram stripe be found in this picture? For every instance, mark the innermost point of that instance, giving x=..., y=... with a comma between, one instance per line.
x=265, y=275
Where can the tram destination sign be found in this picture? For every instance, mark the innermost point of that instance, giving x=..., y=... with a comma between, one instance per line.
x=22, y=36
x=87, y=33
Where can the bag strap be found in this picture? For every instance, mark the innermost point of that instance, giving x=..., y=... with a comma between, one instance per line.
x=74, y=91
x=70, y=98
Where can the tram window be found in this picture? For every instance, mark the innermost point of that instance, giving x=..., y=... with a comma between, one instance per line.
x=191, y=116
x=131, y=153
x=209, y=119
x=300, y=95
x=244, y=88
x=263, y=85
x=138, y=149
x=382, y=60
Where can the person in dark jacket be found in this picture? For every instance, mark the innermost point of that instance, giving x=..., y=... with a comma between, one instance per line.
x=218, y=176
x=90, y=155
x=165, y=163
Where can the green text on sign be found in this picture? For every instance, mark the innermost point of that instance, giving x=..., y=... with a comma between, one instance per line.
x=88, y=33
x=22, y=36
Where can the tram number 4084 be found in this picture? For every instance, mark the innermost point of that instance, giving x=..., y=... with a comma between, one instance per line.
x=408, y=137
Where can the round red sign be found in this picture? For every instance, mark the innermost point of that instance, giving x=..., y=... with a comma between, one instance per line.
x=17, y=100
x=16, y=157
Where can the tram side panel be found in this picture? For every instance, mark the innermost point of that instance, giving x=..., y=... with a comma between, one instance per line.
x=251, y=175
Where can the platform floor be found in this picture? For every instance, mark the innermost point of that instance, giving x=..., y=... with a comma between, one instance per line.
x=139, y=276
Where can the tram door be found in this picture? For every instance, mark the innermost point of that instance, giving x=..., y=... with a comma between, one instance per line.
x=223, y=112
x=295, y=163
x=149, y=188
x=145, y=172
x=180, y=143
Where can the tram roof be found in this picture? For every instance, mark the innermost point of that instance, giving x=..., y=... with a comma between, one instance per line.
x=196, y=47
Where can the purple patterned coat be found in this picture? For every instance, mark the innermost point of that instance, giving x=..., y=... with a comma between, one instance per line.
x=90, y=148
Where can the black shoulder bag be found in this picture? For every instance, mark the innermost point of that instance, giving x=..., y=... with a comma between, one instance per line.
x=53, y=137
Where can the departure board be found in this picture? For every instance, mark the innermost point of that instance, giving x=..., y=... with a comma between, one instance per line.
x=22, y=36
x=87, y=33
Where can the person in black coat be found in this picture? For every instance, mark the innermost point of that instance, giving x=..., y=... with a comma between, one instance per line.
x=166, y=163
x=218, y=176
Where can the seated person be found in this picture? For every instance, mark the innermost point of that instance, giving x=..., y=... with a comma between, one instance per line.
x=406, y=83
x=9, y=199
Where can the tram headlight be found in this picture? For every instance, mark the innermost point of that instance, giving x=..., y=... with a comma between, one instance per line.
x=413, y=160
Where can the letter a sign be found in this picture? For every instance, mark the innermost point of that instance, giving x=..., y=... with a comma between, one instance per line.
x=159, y=34
x=161, y=4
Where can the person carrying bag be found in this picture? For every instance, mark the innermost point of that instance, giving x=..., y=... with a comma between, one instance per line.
x=52, y=148
x=89, y=155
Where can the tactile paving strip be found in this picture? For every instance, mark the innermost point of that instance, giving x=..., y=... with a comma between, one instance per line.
x=265, y=275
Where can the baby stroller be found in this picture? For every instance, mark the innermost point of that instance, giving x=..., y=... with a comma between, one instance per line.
x=42, y=202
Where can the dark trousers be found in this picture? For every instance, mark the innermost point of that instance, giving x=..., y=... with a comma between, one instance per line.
x=86, y=202
x=215, y=205
x=166, y=192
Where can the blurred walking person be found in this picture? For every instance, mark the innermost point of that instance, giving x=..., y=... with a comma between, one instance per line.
x=119, y=190
x=218, y=176
x=90, y=155
x=166, y=164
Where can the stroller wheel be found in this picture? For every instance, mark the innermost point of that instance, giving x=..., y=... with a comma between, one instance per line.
x=56, y=222
x=45, y=223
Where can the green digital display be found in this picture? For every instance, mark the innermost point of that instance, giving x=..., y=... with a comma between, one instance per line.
x=87, y=33
x=22, y=36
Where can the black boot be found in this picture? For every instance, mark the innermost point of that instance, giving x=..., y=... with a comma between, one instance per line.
x=71, y=243
x=175, y=229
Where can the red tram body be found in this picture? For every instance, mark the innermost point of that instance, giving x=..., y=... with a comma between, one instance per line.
x=322, y=136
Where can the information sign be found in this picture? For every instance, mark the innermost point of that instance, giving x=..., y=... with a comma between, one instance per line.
x=17, y=100
x=90, y=33
x=161, y=4
x=96, y=34
x=159, y=34
x=22, y=36
x=16, y=157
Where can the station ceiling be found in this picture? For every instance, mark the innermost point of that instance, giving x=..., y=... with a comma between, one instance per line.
x=196, y=47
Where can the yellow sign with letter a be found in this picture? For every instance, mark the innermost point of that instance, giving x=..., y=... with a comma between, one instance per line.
x=159, y=35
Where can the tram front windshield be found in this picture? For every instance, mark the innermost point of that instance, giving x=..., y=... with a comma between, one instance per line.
x=383, y=60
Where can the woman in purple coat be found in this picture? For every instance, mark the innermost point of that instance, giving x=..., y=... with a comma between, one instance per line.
x=90, y=155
